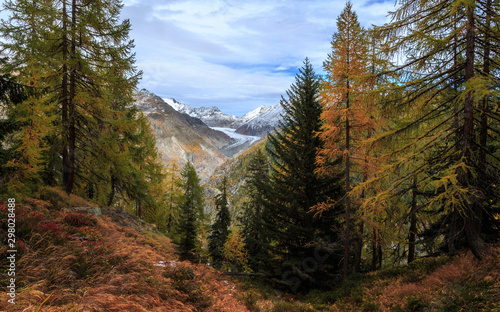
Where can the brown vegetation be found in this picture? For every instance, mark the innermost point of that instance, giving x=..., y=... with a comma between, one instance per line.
x=129, y=267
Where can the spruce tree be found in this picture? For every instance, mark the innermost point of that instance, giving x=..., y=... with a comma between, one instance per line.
x=254, y=233
x=220, y=227
x=293, y=231
x=192, y=215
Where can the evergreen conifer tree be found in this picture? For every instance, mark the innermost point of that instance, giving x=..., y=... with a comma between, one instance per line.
x=293, y=231
x=220, y=227
x=192, y=215
x=254, y=233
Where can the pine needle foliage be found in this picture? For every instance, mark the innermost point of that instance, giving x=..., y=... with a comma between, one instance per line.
x=447, y=81
x=296, y=187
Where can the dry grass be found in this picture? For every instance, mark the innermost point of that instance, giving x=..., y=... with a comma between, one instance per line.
x=116, y=273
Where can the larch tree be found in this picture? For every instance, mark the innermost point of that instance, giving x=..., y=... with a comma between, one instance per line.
x=346, y=117
x=447, y=74
x=78, y=51
x=27, y=34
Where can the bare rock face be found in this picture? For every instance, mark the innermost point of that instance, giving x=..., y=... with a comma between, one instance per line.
x=181, y=137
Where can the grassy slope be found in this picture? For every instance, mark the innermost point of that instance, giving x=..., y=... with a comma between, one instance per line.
x=461, y=283
x=116, y=272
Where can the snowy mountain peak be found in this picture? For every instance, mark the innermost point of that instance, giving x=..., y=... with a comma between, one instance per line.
x=176, y=105
x=211, y=116
x=257, y=122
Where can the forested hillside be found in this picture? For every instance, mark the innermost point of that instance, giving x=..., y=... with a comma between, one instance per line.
x=377, y=191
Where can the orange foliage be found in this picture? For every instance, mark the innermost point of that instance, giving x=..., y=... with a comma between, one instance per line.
x=131, y=268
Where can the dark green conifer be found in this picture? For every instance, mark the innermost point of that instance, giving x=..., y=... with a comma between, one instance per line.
x=253, y=232
x=192, y=211
x=220, y=227
x=293, y=230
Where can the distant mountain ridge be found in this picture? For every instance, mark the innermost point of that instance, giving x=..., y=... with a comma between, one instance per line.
x=201, y=135
x=211, y=116
x=181, y=138
x=258, y=122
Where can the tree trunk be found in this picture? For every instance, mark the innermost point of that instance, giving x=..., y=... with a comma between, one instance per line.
x=359, y=248
x=112, y=194
x=64, y=97
x=347, y=234
x=413, y=223
x=471, y=216
x=72, y=106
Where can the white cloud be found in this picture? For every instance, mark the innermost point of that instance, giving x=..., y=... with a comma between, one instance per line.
x=234, y=54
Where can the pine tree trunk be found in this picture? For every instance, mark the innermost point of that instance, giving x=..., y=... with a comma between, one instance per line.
x=374, y=249
x=359, y=248
x=112, y=193
x=483, y=108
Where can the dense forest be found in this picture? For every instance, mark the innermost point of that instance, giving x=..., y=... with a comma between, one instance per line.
x=389, y=156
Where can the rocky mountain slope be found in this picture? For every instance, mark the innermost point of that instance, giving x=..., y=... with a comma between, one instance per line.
x=181, y=137
x=186, y=136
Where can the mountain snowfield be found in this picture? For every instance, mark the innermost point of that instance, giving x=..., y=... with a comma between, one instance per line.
x=258, y=122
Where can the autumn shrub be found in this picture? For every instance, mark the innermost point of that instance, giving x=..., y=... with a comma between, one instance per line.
x=420, y=268
x=52, y=195
x=92, y=259
x=292, y=307
x=250, y=299
x=78, y=219
x=185, y=281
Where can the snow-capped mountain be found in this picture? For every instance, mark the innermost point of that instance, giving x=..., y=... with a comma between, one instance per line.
x=258, y=122
x=263, y=123
x=250, y=116
x=211, y=116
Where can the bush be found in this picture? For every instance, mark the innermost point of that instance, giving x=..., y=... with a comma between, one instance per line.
x=78, y=219
x=292, y=307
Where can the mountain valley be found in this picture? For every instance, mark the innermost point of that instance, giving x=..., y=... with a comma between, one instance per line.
x=204, y=136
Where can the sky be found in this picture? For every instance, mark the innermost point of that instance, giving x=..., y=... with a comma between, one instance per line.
x=234, y=54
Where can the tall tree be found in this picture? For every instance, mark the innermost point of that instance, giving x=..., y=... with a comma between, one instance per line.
x=346, y=114
x=192, y=208
x=446, y=43
x=220, y=227
x=81, y=53
x=293, y=230
x=253, y=229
